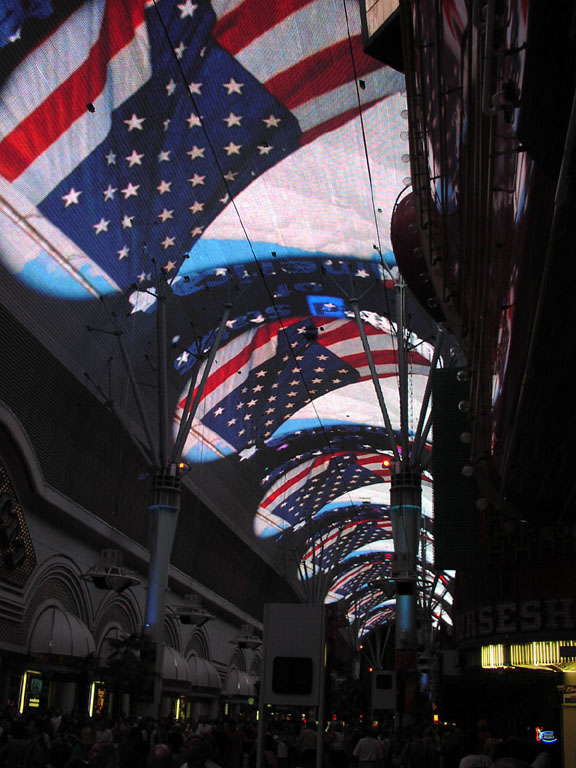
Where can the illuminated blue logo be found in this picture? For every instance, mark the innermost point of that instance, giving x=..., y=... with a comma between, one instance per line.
x=548, y=737
x=327, y=306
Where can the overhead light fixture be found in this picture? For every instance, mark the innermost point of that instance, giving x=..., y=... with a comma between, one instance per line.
x=191, y=611
x=110, y=573
x=247, y=639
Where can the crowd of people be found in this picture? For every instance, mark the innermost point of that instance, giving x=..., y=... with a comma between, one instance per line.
x=54, y=740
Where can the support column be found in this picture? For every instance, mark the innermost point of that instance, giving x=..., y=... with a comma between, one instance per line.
x=405, y=514
x=164, y=511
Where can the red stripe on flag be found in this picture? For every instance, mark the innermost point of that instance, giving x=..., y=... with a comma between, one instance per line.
x=326, y=70
x=68, y=101
x=286, y=486
x=415, y=358
x=322, y=462
x=237, y=29
x=338, y=331
x=373, y=462
x=351, y=574
x=387, y=358
x=333, y=331
x=230, y=367
x=331, y=125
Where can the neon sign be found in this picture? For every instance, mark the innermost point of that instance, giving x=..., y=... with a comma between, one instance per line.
x=545, y=736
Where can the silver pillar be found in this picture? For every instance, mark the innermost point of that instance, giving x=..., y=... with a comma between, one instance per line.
x=164, y=516
x=405, y=513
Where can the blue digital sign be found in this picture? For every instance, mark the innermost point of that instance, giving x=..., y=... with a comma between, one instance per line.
x=327, y=306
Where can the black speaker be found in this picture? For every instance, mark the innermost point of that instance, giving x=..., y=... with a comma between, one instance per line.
x=456, y=519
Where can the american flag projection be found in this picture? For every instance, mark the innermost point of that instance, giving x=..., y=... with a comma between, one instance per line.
x=302, y=492
x=379, y=493
x=153, y=117
x=356, y=575
x=266, y=376
x=349, y=539
x=234, y=154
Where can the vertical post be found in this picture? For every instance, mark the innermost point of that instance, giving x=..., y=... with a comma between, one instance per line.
x=321, y=702
x=163, y=420
x=260, y=733
x=405, y=513
x=165, y=506
x=164, y=511
x=402, y=362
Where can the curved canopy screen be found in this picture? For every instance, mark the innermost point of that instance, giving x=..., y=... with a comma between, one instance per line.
x=205, y=189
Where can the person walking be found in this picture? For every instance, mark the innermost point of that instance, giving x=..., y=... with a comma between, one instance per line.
x=368, y=751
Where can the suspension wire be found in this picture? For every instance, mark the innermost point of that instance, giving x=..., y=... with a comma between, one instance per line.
x=419, y=441
x=367, y=159
x=364, y=140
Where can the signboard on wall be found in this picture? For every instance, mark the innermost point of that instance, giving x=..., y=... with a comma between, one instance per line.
x=524, y=618
x=294, y=654
x=568, y=695
x=31, y=690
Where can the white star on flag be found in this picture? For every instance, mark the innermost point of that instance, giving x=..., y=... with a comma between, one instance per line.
x=134, y=158
x=196, y=152
x=187, y=9
x=72, y=197
x=233, y=87
x=135, y=123
x=102, y=226
x=109, y=192
x=232, y=119
x=164, y=186
x=194, y=121
x=130, y=190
